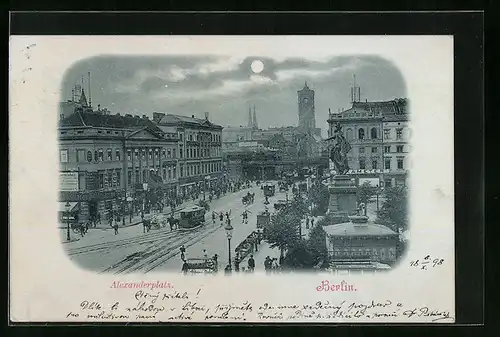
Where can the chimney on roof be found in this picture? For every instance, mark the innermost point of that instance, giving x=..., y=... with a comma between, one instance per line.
x=192, y=116
x=366, y=100
x=206, y=115
x=157, y=116
x=144, y=117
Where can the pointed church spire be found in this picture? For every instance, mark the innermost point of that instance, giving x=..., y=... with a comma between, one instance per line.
x=83, y=99
x=255, y=125
x=305, y=84
x=250, y=124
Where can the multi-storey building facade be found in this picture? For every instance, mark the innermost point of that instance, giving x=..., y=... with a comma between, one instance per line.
x=106, y=158
x=396, y=138
x=199, y=148
x=364, y=126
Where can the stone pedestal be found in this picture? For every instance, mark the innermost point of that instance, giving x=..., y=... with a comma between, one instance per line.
x=343, y=197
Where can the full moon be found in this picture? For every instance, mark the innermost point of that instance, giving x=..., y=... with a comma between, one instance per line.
x=257, y=66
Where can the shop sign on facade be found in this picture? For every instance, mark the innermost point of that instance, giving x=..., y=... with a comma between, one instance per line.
x=68, y=181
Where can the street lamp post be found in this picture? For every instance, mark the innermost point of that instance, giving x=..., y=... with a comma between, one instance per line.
x=129, y=200
x=68, y=205
x=145, y=188
x=229, y=233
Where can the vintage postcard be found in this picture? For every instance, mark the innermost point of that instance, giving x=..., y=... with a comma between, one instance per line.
x=223, y=179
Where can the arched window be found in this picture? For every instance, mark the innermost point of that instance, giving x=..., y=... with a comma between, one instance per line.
x=349, y=134
x=361, y=133
x=373, y=133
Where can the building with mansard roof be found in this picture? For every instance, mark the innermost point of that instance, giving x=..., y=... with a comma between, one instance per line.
x=106, y=158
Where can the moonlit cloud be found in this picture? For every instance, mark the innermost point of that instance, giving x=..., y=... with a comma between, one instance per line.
x=225, y=86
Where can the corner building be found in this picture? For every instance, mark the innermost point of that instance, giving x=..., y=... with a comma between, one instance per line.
x=369, y=128
x=106, y=158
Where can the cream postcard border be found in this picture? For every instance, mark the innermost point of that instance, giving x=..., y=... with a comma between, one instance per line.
x=46, y=286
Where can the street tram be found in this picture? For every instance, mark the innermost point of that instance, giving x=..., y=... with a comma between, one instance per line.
x=191, y=217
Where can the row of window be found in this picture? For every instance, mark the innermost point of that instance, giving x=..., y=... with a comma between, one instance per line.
x=194, y=152
x=167, y=174
x=101, y=155
x=399, y=133
x=109, y=179
x=373, y=134
x=382, y=252
x=387, y=164
x=198, y=137
x=197, y=169
x=387, y=149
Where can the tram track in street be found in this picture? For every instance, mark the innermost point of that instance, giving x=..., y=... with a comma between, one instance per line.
x=154, y=255
x=148, y=237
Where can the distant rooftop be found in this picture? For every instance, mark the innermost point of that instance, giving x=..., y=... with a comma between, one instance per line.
x=97, y=119
x=173, y=119
x=394, y=109
x=353, y=228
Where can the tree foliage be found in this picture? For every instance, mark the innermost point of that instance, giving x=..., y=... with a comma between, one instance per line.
x=317, y=243
x=394, y=211
x=282, y=230
x=320, y=196
x=365, y=193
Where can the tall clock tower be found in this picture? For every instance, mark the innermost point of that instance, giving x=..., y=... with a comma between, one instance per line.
x=307, y=121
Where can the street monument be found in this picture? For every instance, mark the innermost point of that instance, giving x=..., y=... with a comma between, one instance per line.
x=343, y=190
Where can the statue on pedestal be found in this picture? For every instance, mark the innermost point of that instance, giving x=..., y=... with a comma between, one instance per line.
x=338, y=153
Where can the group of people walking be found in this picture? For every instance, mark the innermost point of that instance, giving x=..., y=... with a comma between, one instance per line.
x=271, y=265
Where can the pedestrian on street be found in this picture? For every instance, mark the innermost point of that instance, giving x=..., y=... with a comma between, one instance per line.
x=274, y=265
x=267, y=264
x=251, y=264
x=237, y=265
x=221, y=218
x=185, y=267
x=214, y=216
x=183, y=251
x=307, y=223
x=312, y=222
x=115, y=226
x=227, y=270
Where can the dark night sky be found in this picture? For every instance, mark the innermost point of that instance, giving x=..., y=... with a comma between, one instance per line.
x=226, y=86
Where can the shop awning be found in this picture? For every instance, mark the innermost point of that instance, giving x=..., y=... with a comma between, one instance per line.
x=63, y=208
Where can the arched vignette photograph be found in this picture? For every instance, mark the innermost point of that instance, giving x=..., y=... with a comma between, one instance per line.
x=267, y=178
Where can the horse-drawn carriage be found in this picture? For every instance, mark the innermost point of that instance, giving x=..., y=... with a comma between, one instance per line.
x=157, y=221
x=191, y=217
x=200, y=265
x=280, y=204
x=248, y=198
x=283, y=187
x=263, y=219
x=269, y=190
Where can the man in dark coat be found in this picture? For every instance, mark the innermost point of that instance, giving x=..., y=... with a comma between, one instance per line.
x=251, y=263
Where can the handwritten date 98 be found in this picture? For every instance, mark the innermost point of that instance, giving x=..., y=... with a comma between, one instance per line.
x=426, y=262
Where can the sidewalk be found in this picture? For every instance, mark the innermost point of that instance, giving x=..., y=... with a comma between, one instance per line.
x=136, y=219
x=260, y=256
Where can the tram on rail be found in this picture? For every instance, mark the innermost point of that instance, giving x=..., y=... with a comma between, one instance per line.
x=192, y=217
